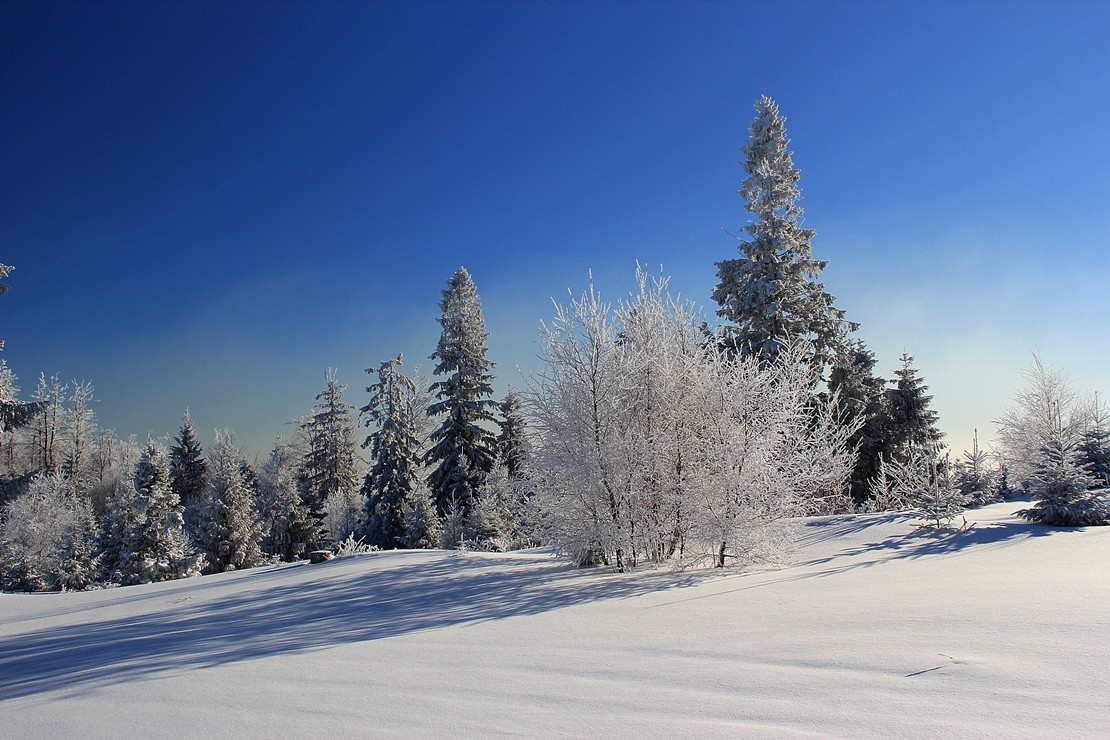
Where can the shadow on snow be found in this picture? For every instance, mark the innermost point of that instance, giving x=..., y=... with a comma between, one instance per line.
x=338, y=606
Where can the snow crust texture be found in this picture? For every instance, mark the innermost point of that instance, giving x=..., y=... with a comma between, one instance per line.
x=877, y=629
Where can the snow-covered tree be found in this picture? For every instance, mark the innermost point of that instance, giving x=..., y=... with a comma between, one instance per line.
x=1094, y=448
x=328, y=478
x=188, y=472
x=462, y=447
x=653, y=443
x=974, y=477
x=911, y=426
x=79, y=430
x=48, y=538
x=423, y=528
x=1047, y=410
x=231, y=533
x=161, y=546
x=50, y=396
x=287, y=529
x=394, y=447
x=513, y=446
x=770, y=296
x=862, y=401
x=1063, y=490
x=14, y=414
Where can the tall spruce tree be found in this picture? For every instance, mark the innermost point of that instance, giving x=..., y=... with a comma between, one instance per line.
x=861, y=395
x=162, y=548
x=911, y=426
x=513, y=447
x=770, y=296
x=328, y=469
x=462, y=448
x=287, y=529
x=393, y=451
x=233, y=532
x=188, y=472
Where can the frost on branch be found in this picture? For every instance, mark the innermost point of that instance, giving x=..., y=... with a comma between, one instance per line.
x=654, y=444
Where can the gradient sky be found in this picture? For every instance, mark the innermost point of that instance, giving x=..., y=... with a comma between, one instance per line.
x=210, y=203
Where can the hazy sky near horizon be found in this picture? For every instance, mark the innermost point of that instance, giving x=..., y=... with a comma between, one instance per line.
x=209, y=203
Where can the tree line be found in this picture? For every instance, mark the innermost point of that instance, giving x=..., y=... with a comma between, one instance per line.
x=648, y=436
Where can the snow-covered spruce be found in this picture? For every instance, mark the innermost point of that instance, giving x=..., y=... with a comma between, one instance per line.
x=232, y=533
x=393, y=475
x=328, y=478
x=462, y=446
x=771, y=296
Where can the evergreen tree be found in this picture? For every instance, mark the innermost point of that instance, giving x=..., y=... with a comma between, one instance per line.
x=771, y=296
x=974, y=479
x=423, y=529
x=911, y=426
x=860, y=394
x=1062, y=487
x=188, y=472
x=328, y=469
x=232, y=533
x=161, y=547
x=462, y=448
x=287, y=529
x=393, y=450
x=513, y=447
x=1094, y=449
x=120, y=560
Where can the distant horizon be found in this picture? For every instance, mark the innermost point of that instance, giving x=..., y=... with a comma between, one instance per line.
x=208, y=205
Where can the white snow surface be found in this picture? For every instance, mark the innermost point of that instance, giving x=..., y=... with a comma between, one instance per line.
x=875, y=629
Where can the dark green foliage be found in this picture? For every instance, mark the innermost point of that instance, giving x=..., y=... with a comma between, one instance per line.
x=1062, y=488
x=188, y=471
x=462, y=448
x=861, y=395
x=911, y=426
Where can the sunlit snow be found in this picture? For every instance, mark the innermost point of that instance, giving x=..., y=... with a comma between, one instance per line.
x=876, y=629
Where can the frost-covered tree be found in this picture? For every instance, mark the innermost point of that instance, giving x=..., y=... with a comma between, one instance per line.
x=423, y=528
x=79, y=430
x=394, y=448
x=861, y=396
x=50, y=396
x=771, y=296
x=974, y=477
x=232, y=533
x=653, y=444
x=513, y=446
x=1094, y=449
x=1063, y=491
x=911, y=426
x=462, y=446
x=161, y=547
x=287, y=529
x=188, y=471
x=328, y=478
x=14, y=415
x=1047, y=410
x=48, y=538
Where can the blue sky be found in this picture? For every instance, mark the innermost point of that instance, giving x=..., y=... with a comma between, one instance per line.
x=208, y=204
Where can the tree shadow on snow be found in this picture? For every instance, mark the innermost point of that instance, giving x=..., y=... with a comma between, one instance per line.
x=338, y=606
x=921, y=541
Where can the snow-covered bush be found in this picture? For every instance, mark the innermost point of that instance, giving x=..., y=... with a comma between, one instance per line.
x=48, y=538
x=654, y=443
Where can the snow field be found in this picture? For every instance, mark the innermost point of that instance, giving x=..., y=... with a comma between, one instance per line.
x=875, y=629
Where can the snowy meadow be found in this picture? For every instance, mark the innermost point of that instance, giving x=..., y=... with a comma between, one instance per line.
x=875, y=628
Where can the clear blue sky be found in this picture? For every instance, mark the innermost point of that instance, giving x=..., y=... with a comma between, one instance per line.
x=209, y=203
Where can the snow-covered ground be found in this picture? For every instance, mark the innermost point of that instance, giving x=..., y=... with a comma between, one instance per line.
x=877, y=629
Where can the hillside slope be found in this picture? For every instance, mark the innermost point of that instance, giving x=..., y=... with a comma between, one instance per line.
x=876, y=629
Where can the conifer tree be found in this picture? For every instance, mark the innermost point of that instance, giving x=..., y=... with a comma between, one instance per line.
x=232, y=533
x=162, y=548
x=13, y=414
x=1094, y=449
x=287, y=529
x=860, y=394
x=393, y=450
x=770, y=296
x=328, y=469
x=462, y=446
x=974, y=479
x=1062, y=487
x=513, y=447
x=188, y=472
x=911, y=426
